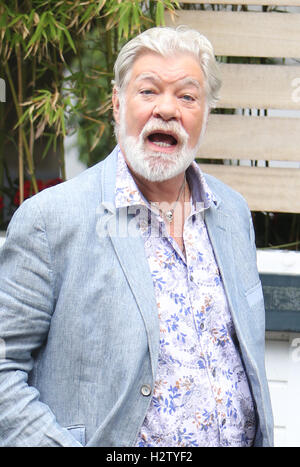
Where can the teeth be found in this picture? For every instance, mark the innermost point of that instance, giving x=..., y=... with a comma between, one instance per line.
x=162, y=144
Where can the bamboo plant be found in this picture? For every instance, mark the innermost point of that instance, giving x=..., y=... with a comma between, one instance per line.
x=56, y=58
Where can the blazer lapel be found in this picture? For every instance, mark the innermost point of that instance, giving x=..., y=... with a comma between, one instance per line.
x=218, y=227
x=131, y=255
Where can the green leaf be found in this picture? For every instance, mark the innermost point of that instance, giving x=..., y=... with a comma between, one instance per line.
x=38, y=32
x=70, y=40
x=159, y=16
x=47, y=147
x=87, y=13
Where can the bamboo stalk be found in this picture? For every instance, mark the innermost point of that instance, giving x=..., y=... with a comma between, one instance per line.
x=62, y=162
x=18, y=107
x=109, y=55
x=20, y=129
x=62, y=159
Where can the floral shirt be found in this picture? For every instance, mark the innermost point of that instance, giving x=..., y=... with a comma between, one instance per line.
x=201, y=395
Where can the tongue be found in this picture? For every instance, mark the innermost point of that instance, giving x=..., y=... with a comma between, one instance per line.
x=162, y=138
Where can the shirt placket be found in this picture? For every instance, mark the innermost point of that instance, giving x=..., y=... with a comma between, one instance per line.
x=200, y=327
x=201, y=306
x=222, y=376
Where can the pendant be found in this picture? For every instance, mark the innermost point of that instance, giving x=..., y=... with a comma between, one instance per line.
x=169, y=215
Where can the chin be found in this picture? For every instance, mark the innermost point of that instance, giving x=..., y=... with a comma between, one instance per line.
x=157, y=167
x=161, y=170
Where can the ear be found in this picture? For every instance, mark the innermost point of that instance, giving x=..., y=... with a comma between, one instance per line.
x=116, y=105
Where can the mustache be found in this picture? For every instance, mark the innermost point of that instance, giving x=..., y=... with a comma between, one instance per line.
x=172, y=127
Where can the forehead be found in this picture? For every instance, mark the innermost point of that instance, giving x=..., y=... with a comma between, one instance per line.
x=171, y=70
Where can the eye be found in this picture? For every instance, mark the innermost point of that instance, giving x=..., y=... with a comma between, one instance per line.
x=147, y=92
x=188, y=98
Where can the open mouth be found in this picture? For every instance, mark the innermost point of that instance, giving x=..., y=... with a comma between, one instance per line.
x=163, y=140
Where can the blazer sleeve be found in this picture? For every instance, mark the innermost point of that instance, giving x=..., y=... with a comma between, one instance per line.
x=26, y=306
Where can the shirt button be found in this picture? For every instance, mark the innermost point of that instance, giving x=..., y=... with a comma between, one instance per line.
x=146, y=390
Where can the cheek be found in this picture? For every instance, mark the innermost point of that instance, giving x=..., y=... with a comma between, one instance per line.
x=194, y=130
x=133, y=126
x=136, y=118
x=194, y=127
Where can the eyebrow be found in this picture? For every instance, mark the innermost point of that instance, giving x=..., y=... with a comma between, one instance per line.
x=188, y=81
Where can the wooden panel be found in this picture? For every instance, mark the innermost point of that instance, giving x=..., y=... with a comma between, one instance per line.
x=240, y=137
x=260, y=86
x=248, y=34
x=246, y=2
x=265, y=189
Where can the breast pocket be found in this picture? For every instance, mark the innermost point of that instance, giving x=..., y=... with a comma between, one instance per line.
x=78, y=432
x=255, y=295
x=256, y=314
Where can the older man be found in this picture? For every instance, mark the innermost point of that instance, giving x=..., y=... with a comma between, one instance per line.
x=131, y=311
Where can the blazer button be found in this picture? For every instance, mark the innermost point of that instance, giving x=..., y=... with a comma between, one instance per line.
x=146, y=390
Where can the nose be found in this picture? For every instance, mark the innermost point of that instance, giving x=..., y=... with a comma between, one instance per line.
x=166, y=108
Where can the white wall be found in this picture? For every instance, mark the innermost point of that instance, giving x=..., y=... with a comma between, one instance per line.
x=73, y=165
x=283, y=372
x=283, y=358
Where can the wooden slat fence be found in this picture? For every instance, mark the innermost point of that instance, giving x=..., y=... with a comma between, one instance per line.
x=250, y=141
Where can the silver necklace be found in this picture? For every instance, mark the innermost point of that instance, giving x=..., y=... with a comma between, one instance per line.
x=169, y=215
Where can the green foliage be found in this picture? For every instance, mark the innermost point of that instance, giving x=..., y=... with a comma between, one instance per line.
x=57, y=60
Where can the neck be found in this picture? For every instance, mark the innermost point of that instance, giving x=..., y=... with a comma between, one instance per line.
x=157, y=192
x=166, y=191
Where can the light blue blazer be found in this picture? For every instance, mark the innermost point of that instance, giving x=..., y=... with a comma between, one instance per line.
x=79, y=330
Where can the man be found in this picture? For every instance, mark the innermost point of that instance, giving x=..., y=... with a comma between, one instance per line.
x=131, y=307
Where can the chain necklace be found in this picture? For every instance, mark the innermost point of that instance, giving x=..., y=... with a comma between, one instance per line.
x=169, y=214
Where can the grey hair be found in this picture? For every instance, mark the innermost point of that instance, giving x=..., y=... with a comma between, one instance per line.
x=166, y=41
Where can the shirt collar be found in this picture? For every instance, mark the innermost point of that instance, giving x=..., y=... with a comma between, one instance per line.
x=201, y=193
x=128, y=194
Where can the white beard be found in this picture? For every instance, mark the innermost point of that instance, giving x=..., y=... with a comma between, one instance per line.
x=157, y=166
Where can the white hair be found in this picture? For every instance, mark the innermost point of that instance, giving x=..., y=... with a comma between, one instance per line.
x=168, y=41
